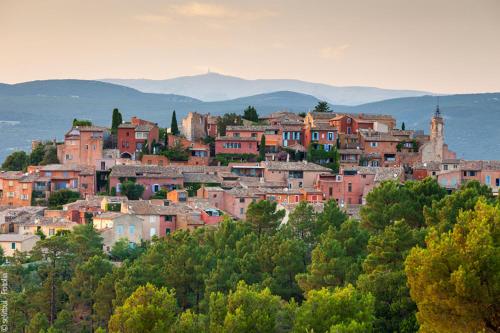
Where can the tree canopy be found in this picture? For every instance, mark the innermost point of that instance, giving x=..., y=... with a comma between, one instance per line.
x=250, y=113
x=322, y=106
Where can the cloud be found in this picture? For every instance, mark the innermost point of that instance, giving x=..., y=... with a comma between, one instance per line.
x=334, y=52
x=149, y=18
x=214, y=11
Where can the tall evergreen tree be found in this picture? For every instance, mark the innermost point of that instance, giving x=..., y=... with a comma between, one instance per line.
x=116, y=120
x=403, y=126
x=174, y=128
x=262, y=148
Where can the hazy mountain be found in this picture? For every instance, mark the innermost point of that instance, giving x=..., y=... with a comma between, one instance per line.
x=216, y=87
x=472, y=121
x=45, y=109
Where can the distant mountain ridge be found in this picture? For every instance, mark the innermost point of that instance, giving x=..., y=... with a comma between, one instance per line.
x=212, y=87
x=45, y=110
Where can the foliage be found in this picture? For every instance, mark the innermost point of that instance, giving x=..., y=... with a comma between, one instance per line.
x=443, y=214
x=225, y=159
x=161, y=194
x=250, y=113
x=262, y=148
x=249, y=310
x=114, y=207
x=383, y=276
x=403, y=126
x=116, y=120
x=322, y=106
x=132, y=190
x=228, y=119
x=50, y=156
x=455, y=280
x=81, y=122
x=392, y=201
x=176, y=152
x=339, y=310
x=17, y=161
x=123, y=250
x=264, y=217
x=174, y=128
x=148, y=309
x=316, y=153
x=337, y=259
x=59, y=198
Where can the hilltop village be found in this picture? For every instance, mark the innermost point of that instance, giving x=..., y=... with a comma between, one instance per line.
x=138, y=181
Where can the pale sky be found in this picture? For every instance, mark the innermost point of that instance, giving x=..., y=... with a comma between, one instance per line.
x=435, y=45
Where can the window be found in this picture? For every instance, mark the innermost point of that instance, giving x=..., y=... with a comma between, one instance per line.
x=445, y=167
x=152, y=232
x=51, y=232
x=296, y=174
x=167, y=231
x=131, y=229
x=348, y=130
x=24, y=197
x=242, y=211
x=349, y=187
x=254, y=135
x=103, y=165
x=330, y=136
x=25, y=186
x=497, y=182
x=373, y=144
x=11, y=183
x=13, y=246
x=487, y=180
x=315, y=136
x=236, y=135
x=155, y=188
x=330, y=191
x=119, y=230
x=232, y=145
x=242, y=200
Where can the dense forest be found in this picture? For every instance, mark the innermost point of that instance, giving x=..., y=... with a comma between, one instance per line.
x=418, y=259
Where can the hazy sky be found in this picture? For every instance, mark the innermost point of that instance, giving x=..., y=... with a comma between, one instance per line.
x=434, y=45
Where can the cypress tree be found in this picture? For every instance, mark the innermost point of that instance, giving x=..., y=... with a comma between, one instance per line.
x=174, y=129
x=262, y=148
x=116, y=120
x=403, y=127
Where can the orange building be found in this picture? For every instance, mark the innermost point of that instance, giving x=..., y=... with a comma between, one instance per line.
x=16, y=188
x=82, y=145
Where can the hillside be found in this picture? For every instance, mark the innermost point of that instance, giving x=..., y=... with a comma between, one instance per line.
x=468, y=117
x=216, y=87
x=45, y=109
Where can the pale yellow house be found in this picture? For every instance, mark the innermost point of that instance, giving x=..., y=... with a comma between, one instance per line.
x=11, y=243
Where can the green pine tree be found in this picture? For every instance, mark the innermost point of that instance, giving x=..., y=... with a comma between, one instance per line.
x=174, y=129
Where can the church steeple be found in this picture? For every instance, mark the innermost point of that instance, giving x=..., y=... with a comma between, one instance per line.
x=437, y=113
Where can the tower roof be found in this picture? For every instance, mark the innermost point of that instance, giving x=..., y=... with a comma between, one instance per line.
x=437, y=113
